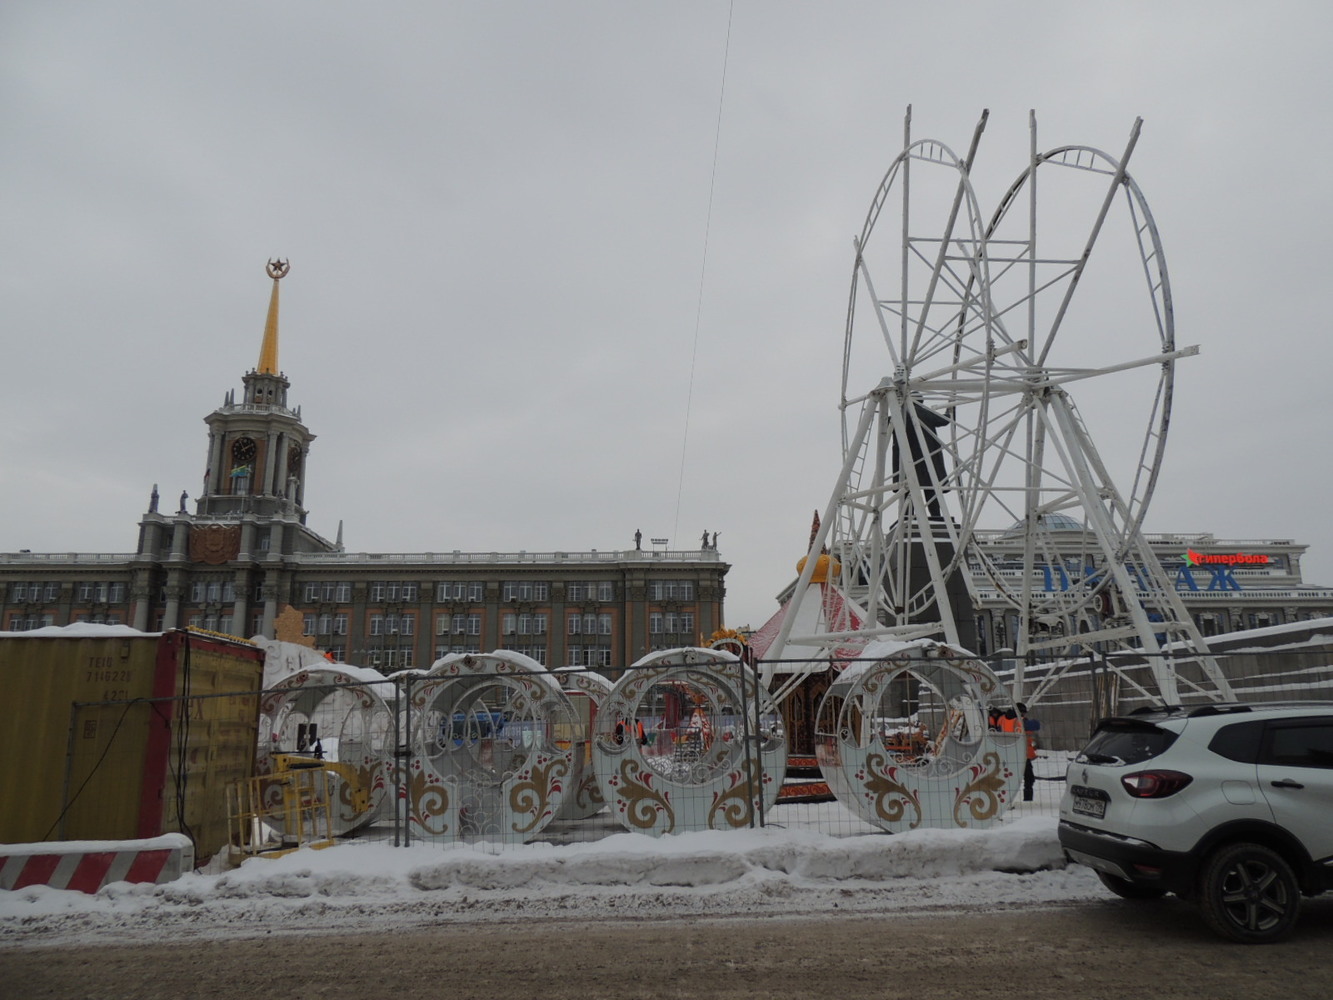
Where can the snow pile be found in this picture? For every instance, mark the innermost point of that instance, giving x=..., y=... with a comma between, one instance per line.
x=373, y=886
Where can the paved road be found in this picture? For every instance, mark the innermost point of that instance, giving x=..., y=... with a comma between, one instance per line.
x=1111, y=949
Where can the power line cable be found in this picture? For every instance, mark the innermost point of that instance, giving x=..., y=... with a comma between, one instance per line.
x=703, y=270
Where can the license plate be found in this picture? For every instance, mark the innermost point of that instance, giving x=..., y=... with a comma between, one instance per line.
x=1089, y=805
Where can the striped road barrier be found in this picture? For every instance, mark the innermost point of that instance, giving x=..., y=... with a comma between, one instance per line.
x=87, y=865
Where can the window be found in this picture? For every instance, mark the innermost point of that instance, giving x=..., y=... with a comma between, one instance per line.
x=671, y=623
x=525, y=590
x=339, y=624
x=393, y=624
x=596, y=590
x=1300, y=743
x=457, y=590
x=671, y=590
x=308, y=625
x=442, y=651
x=197, y=592
x=387, y=659
x=100, y=593
x=537, y=653
x=589, y=656
x=589, y=624
x=393, y=591
x=328, y=593
x=524, y=624
x=458, y=624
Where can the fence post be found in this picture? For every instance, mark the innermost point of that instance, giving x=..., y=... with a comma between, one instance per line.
x=403, y=792
x=751, y=745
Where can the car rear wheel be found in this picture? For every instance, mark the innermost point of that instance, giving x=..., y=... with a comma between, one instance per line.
x=1248, y=893
x=1126, y=889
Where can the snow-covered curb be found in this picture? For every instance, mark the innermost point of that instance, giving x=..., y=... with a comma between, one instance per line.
x=373, y=886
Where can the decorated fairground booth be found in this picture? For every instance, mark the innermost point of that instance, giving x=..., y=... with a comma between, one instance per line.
x=333, y=719
x=493, y=742
x=904, y=739
x=679, y=746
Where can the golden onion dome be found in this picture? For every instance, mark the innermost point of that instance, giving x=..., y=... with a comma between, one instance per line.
x=826, y=567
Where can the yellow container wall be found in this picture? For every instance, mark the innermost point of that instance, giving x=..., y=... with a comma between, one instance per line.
x=94, y=757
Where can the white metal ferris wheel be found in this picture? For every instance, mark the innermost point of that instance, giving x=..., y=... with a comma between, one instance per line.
x=967, y=338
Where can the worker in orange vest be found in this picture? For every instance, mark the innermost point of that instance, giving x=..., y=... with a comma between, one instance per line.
x=634, y=727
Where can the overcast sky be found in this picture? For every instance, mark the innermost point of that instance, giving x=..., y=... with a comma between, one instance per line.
x=500, y=318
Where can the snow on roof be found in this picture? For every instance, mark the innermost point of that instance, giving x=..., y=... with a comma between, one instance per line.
x=77, y=630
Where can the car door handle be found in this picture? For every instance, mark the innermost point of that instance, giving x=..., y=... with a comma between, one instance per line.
x=1286, y=783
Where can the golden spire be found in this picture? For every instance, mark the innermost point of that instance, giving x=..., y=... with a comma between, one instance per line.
x=268, y=352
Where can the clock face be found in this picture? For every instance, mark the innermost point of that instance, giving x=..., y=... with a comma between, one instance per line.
x=243, y=449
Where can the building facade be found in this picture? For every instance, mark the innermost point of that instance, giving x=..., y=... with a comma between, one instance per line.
x=244, y=562
x=1225, y=584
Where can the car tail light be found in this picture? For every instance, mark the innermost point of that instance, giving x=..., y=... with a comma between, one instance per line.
x=1155, y=784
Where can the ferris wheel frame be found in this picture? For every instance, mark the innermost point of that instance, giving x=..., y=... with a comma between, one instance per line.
x=969, y=353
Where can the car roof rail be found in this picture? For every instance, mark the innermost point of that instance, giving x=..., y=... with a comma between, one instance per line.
x=1219, y=708
x=1223, y=708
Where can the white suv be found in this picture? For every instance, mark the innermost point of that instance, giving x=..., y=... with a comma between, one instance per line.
x=1228, y=805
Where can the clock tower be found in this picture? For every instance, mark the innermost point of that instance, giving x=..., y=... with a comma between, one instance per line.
x=250, y=521
x=257, y=448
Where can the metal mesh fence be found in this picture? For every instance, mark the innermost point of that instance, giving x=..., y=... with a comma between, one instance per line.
x=501, y=759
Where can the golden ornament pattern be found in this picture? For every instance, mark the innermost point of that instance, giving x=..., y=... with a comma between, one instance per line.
x=984, y=795
x=642, y=803
x=531, y=796
x=892, y=798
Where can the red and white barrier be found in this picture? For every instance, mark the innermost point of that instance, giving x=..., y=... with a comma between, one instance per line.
x=87, y=865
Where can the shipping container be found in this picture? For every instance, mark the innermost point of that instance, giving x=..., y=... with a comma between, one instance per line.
x=116, y=734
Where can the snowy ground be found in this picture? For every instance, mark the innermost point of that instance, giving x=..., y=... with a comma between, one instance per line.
x=777, y=871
